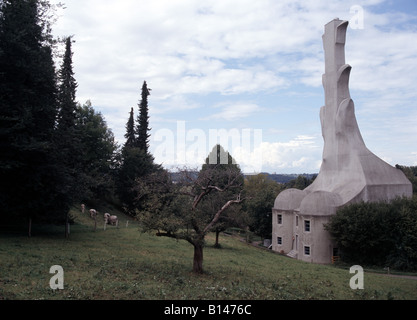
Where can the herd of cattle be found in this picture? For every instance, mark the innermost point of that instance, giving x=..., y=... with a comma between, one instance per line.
x=108, y=219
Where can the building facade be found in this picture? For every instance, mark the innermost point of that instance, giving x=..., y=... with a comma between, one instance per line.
x=349, y=172
x=298, y=225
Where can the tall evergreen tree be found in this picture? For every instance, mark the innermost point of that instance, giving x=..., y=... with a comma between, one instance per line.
x=143, y=129
x=66, y=91
x=130, y=131
x=28, y=110
x=136, y=161
x=67, y=142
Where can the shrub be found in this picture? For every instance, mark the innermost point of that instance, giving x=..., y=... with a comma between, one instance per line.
x=378, y=233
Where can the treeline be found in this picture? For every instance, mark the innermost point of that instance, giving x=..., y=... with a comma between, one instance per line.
x=289, y=178
x=54, y=151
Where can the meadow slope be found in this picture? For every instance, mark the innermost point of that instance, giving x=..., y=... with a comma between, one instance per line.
x=125, y=264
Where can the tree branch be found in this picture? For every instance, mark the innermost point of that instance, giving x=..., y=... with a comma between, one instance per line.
x=218, y=213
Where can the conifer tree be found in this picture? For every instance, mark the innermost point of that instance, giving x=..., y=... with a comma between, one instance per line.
x=66, y=91
x=130, y=131
x=28, y=110
x=136, y=161
x=143, y=129
x=67, y=142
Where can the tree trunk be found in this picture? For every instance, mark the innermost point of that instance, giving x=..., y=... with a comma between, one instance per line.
x=66, y=226
x=30, y=228
x=216, y=245
x=198, y=258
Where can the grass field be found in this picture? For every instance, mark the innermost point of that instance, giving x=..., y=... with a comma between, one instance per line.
x=123, y=263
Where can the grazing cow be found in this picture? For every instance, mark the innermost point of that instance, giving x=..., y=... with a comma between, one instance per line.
x=93, y=213
x=112, y=220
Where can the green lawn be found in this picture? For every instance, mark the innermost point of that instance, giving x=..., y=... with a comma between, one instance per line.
x=123, y=263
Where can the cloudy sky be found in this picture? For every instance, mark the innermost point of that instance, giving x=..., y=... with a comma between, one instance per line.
x=246, y=70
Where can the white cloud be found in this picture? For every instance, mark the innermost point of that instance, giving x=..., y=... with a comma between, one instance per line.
x=187, y=50
x=301, y=154
x=235, y=111
x=188, y=43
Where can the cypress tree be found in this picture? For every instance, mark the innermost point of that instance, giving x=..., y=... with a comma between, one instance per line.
x=143, y=129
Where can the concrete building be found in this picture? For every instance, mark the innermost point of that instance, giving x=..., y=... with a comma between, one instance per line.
x=349, y=173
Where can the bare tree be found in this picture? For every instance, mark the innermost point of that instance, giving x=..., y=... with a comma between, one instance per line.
x=174, y=209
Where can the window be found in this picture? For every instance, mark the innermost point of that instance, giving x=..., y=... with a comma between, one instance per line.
x=306, y=250
x=279, y=240
x=307, y=225
x=296, y=221
x=280, y=219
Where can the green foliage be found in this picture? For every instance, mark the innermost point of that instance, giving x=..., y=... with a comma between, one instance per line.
x=219, y=162
x=66, y=92
x=135, y=165
x=29, y=173
x=96, y=153
x=260, y=195
x=301, y=182
x=66, y=141
x=135, y=162
x=411, y=174
x=193, y=206
x=142, y=130
x=130, y=131
x=383, y=234
x=44, y=136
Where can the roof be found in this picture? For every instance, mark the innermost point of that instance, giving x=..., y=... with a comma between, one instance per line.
x=320, y=203
x=289, y=199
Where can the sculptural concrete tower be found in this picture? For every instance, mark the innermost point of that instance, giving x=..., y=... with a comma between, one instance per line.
x=349, y=172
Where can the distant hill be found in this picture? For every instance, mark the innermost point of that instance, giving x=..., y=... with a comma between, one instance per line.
x=284, y=178
x=280, y=178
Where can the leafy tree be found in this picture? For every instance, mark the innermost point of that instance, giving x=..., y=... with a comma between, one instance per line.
x=301, y=182
x=29, y=177
x=97, y=153
x=261, y=193
x=219, y=161
x=378, y=233
x=180, y=210
x=142, y=131
x=411, y=174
